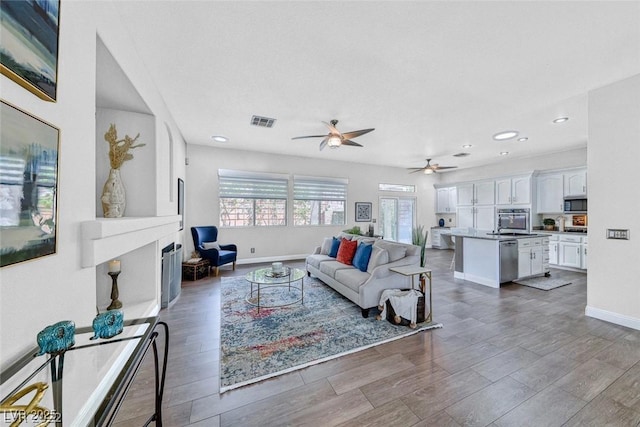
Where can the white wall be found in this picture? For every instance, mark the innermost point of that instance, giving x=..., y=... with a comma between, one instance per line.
x=614, y=150
x=290, y=242
x=37, y=293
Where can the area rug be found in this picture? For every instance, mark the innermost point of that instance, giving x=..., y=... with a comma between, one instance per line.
x=544, y=283
x=256, y=346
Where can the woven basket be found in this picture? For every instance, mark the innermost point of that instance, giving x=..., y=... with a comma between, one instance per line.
x=405, y=322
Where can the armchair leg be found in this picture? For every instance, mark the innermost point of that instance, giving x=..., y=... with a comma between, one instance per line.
x=234, y=266
x=216, y=271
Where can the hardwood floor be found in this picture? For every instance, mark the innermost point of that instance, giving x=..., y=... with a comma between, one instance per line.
x=513, y=356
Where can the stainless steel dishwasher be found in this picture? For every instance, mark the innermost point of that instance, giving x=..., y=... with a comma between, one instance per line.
x=508, y=261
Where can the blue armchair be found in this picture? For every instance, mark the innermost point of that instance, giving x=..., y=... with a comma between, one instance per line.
x=205, y=242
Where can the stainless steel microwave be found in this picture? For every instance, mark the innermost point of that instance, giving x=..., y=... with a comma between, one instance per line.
x=575, y=205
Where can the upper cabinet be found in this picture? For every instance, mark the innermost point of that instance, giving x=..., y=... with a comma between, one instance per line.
x=446, y=200
x=479, y=193
x=513, y=191
x=550, y=193
x=575, y=183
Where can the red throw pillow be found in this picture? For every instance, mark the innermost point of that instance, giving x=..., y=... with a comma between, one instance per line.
x=346, y=251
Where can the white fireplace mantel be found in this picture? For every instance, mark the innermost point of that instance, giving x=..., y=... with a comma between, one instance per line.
x=106, y=238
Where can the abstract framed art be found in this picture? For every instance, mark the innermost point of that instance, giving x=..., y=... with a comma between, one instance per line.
x=29, y=54
x=363, y=211
x=28, y=186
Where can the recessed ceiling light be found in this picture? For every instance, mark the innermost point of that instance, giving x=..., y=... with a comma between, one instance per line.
x=220, y=138
x=561, y=120
x=467, y=146
x=507, y=134
x=504, y=153
x=523, y=139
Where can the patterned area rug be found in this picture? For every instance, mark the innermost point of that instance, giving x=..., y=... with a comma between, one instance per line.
x=544, y=283
x=256, y=346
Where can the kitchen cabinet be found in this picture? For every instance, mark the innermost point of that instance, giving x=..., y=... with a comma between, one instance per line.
x=478, y=217
x=530, y=257
x=570, y=251
x=446, y=200
x=553, y=249
x=478, y=193
x=550, y=193
x=585, y=245
x=575, y=183
x=513, y=191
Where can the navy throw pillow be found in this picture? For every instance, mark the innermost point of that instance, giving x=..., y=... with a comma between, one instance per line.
x=335, y=245
x=361, y=258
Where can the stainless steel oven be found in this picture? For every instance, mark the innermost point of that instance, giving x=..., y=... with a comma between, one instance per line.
x=513, y=220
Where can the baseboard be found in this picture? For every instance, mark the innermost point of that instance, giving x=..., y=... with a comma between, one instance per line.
x=261, y=260
x=611, y=317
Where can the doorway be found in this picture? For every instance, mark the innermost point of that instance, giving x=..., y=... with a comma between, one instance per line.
x=397, y=218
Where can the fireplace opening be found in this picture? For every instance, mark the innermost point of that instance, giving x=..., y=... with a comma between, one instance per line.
x=171, y=274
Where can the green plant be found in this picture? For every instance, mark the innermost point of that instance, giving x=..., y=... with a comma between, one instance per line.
x=549, y=221
x=354, y=230
x=419, y=238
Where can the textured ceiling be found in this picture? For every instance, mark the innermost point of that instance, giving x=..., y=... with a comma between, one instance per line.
x=428, y=76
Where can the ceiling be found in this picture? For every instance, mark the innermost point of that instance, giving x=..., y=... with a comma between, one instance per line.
x=429, y=76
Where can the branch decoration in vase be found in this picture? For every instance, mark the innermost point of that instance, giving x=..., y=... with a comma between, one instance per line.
x=113, y=193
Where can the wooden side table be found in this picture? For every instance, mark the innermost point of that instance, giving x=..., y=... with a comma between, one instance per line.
x=413, y=271
x=195, y=270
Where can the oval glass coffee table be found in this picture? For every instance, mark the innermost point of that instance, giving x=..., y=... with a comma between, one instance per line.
x=270, y=289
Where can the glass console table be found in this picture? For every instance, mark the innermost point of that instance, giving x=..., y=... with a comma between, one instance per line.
x=86, y=384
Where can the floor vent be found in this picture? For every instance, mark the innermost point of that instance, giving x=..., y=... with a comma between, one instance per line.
x=264, y=122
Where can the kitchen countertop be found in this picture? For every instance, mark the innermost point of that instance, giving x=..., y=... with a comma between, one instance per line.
x=483, y=234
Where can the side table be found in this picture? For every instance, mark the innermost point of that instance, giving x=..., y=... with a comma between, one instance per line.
x=413, y=271
x=195, y=270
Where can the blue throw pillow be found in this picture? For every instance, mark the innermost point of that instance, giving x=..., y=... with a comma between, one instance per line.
x=361, y=258
x=335, y=245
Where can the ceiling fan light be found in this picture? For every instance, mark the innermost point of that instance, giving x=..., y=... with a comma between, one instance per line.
x=428, y=171
x=334, y=141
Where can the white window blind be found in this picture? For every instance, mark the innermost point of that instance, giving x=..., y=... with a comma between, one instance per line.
x=312, y=188
x=252, y=185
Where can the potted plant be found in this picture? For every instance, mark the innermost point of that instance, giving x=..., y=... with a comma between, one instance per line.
x=419, y=238
x=549, y=224
x=355, y=230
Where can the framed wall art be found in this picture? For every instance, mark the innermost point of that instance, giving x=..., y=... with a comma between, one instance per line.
x=29, y=54
x=28, y=186
x=363, y=211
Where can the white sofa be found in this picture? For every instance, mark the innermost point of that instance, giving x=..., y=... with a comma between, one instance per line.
x=364, y=287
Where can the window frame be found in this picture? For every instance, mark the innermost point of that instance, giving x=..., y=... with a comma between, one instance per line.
x=321, y=190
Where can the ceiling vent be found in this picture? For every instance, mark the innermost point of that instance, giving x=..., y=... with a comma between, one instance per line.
x=264, y=122
x=461, y=154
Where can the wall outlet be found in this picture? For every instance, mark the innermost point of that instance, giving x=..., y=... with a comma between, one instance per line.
x=253, y=250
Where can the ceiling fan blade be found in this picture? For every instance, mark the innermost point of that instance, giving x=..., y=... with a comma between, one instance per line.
x=414, y=170
x=332, y=128
x=324, y=143
x=446, y=167
x=356, y=133
x=309, y=136
x=349, y=142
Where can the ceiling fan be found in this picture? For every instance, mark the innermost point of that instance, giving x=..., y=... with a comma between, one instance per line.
x=335, y=138
x=430, y=168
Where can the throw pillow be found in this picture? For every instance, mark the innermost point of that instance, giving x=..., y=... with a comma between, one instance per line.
x=335, y=245
x=326, y=246
x=211, y=245
x=395, y=250
x=346, y=251
x=378, y=257
x=361, y=258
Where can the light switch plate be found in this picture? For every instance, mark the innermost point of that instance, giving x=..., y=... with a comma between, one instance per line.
x=618, y=233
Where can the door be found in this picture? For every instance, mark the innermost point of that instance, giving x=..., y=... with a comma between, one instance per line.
x=537, y=260
x=442, y=200
x=397, y=218
x=553, y=253
x=485, y=218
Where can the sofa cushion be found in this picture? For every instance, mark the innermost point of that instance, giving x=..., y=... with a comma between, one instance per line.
x=330, y=267
x=211, y=245
x=361, y=258
x=395, y=250
x=335, y=245
x=315, y=260
x=352, y=278
x=378, y=257
x=346, y=251
x=326, y=246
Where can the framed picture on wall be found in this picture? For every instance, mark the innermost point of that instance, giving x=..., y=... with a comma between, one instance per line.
x=28, y=186
x=363, y=211
x=181, y=202
x=30, y=45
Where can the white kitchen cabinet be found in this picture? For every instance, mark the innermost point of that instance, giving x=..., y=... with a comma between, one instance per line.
x=553, y=253
x=478, y=217
x=585, y=246
x=513, y=191
x=530, y=257
x=570, y=251
x=479, y=193
x=446, y=200
x=550, y=193
x=575, y=183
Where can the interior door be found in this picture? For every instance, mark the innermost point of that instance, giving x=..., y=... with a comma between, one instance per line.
x=397, y=218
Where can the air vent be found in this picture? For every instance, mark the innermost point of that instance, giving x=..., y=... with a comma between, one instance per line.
x=462, y=155
x=264, y=122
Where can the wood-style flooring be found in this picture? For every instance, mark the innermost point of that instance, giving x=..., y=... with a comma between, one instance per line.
x=514, y=356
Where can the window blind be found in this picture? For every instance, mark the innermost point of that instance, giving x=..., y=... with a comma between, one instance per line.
x=252, y=185
x=312, y=188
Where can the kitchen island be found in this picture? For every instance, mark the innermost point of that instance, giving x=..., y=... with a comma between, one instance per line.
x=491, y=259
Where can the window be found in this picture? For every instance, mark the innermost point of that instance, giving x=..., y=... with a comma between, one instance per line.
x=397, y=187
x=319, y=201
x=249, y=199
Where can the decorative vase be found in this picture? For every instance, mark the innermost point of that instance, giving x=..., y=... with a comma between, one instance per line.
x=113, y=196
